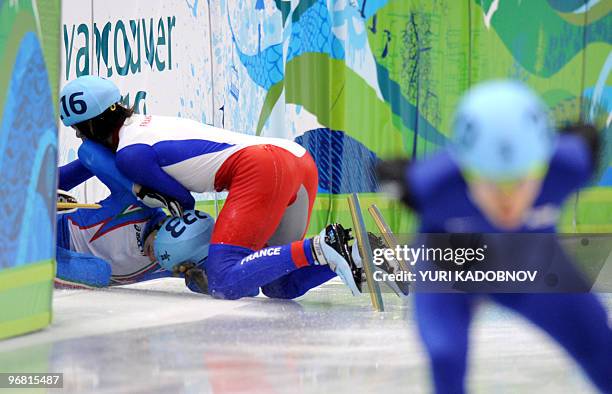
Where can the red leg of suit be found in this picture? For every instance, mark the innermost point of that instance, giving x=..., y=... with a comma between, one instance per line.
x=262, y=180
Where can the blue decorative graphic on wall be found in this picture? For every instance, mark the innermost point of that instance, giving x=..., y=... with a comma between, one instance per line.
x=28, y=156
x=345, y=165
x=566, y=5
x=266, y=67
x=408, y=113
x=312, y=32
x=367, y=8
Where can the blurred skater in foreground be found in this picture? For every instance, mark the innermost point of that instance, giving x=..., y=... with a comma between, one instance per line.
x=505, y=171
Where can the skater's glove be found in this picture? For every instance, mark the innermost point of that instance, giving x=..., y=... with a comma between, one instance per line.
x=392, y=178
x=65, y=197
x=592, y=138
x=195, y=278
x=153, y=199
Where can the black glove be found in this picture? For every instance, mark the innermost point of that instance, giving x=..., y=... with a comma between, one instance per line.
x=591, y=136
x=64, y=196
x=392, y=179
x=153, y=199
x=195, y=278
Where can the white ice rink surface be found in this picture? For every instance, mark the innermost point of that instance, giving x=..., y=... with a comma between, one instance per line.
x=158, y=337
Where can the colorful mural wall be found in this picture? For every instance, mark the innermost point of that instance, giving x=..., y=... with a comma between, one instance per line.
x=356, y=81
x=29, y=54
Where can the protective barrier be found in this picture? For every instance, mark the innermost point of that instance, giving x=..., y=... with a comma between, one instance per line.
x=28, y=153
x=354, y=81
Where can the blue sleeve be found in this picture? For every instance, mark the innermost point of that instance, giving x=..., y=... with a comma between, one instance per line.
x=101, y=162
x=139, y=163
x=72, y=175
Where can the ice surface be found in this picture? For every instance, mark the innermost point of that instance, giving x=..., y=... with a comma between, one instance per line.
x=158, y=337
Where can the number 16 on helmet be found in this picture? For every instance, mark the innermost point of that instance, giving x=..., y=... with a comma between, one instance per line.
x=85, y=98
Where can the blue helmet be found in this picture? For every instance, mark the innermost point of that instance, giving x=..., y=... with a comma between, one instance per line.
x=502, y=132
x=85, y=98
x=184, y=239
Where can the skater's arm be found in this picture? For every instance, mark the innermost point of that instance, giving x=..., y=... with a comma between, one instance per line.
x=73, y=174
x=139, y=163
x=101, y=162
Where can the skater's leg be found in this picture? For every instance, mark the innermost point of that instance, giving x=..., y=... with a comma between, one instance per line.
x=294, y=222
x=235, y=272
x=262, y=182
x=578, y=322
x=297, y=283
x=443, y=321
x=293, y=226
x=268, y=203
x=75, y=270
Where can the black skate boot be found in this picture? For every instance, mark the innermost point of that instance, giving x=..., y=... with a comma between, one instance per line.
x=390, y=266
x=338, y=238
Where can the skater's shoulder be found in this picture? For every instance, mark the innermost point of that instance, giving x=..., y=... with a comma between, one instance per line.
x=143, y=129
x=139, y=123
